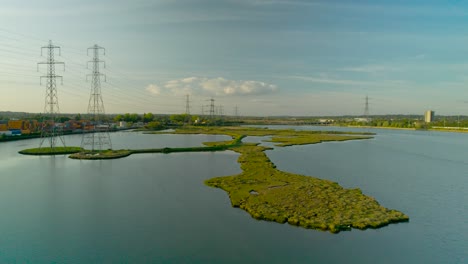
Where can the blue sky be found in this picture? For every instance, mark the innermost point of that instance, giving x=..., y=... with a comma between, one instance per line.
x=268, y=57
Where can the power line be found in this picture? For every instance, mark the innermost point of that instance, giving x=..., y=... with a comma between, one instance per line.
x=366, y=109
x=99, y=136
x=212, y=109
x=49, y=129
x=188, y=119
x=37, y=39
x=18, y=53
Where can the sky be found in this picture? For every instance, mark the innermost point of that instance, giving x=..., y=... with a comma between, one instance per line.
x=267, y=57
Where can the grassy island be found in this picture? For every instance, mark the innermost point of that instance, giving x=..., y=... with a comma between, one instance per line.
x=267, y=193
x=115, y=154
x=270, y=194
x=99, y=155
x=51, y=151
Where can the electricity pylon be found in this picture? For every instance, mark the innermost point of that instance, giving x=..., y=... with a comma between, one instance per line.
x=236, y=113
x=188, y=119
x=212, y=109
x=49, y=129
x=98, y=138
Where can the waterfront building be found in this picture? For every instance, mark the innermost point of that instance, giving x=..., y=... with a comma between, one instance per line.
x=429, y=116
x=123, y=124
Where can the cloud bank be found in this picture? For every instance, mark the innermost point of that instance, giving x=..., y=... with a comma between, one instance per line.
x=211, y=87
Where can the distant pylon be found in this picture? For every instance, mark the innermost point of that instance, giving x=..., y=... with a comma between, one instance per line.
x=212, y=109
x=99, y=137
x=49, y=129
x=188, y=119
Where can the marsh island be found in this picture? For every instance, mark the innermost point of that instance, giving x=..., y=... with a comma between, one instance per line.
x=267, y=193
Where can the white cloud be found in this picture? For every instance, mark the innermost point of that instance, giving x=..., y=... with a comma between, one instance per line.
x=211, y=87
x=153, y=89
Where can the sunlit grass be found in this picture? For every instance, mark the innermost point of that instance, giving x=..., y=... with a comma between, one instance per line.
x=267, y=193
x=270, y=194
x=51, y=151
x=101, y=154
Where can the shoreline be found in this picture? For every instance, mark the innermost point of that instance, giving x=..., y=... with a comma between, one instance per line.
x=269, y=194
x=456, y=130
x=38, y=135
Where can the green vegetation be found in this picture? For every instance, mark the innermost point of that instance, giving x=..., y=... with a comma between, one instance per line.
x=115, y=154
x=129, y=118
x=235, y=131
x=386, y=123
x=51, y=151
x=267, y=193
x=452, y=129
x=154, y=125
x=99, y=155
x=311, y=139
x=182, y=118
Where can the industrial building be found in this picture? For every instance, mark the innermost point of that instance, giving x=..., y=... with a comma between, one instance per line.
x=429, y=116
x=18, y=127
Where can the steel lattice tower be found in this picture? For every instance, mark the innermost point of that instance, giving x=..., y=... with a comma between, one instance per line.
x=366, y=109
x=188, y=119
x=212, y=109
x=49, y=130
x=99, y=137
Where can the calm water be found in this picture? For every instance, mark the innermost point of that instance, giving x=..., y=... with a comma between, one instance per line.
x=154, y=208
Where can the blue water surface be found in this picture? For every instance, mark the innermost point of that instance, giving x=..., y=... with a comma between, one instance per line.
x=155, y=208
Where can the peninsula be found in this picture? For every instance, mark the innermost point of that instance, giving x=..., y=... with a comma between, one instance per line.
x=267, y=193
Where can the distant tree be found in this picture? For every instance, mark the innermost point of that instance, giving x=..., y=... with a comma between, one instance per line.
x=127, y=117
x=148, y=117
x=63, y=119
x=163, y=119
x=178, y=118
x=118, y=118
x=420, y=125
x=134, y=118
x=78, y=117
x=38, y=117
x=154, y=125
